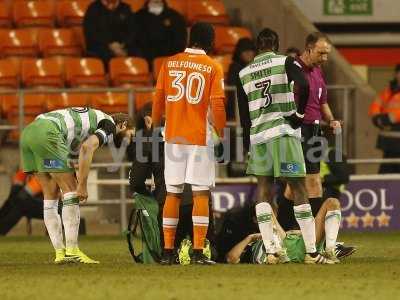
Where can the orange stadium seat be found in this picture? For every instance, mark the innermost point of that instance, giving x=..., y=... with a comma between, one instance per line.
x=135, y=4
x=212, y=11
x=59, y=42
x=71, y=12
x=179, y=5
x=34, y=104
x=85, y=72
x=63, y=100
x=9, y=74
x=132, y=71
x=80, y=36
x=227, y=37
x=5, y=15
x=46, y=72
x=110, y=102
x=157, y=64
x=18, y=42
x=142, y=98
x=225, y=61
x=34, y=13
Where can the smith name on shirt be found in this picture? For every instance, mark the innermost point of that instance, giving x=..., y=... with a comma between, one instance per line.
x=189, y=65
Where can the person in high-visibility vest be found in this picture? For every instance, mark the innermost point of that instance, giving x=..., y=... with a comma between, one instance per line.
x=385, y=113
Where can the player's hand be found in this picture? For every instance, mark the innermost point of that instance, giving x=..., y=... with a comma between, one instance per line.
x=82, y=193
x=295, y=120
x=336, y=126
x=254, y=237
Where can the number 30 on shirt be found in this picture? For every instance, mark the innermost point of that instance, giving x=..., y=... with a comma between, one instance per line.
x=193, y=95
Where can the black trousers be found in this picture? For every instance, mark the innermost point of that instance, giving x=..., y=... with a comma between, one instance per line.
x=19, y=204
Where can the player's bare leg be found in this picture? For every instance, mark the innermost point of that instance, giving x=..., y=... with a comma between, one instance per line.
x=264, y=216
x=71, y=216
x=313, y=185
x=52, y=220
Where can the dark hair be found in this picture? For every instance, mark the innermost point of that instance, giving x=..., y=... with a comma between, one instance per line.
x=202, y=35
x=244, y=44
x=267, y=39
x=313, y=38
x=293, y=50
x=120, y=118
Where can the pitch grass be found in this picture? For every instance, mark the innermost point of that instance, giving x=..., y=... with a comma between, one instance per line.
x=26, y=272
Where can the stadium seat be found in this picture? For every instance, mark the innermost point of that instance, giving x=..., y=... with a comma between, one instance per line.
x=59, y=42
x=5, y=15
x=227, y=37
x=18, y=42
x=9, y=74
x=212, y=11
x=33, y=13
x=157, y=64
x=225, y=61
x=131, y=71
x=141, y=98
x=71, y=12
x=179, y=5
x=110, y=102
x=63, y=100
x=85, y=72
x=80, y=36
x=46, y=72
x=34, y=104
x=135, y=4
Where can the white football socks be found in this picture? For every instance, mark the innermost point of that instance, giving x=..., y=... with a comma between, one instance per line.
x=304, y=217
x=71, y=219
x=52, y=221
x=264, y=219
x=332, y=225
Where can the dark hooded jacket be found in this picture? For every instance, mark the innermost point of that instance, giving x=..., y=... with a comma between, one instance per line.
x=162, y=35
x=237, y=65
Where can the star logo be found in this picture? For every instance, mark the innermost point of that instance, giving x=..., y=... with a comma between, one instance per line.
x=383, y=220
x=352, y=221
x=368, y=220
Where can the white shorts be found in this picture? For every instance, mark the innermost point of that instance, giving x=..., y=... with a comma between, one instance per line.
x=190, y=164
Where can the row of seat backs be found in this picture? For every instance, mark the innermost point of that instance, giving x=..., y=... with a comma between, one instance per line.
x=58, y=72
x=67, y=13
x=47, y=42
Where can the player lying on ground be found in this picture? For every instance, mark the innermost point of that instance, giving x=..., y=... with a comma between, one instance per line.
x=47, y=146
x=327, y=224
x=190, y=89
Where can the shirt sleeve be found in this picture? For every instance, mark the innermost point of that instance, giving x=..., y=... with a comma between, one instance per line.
x=104, y=130
x=217, y=97
x=159, y=99
x=324, y=93
x=295, y=73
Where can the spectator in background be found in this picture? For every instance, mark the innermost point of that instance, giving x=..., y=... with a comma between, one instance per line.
x=25, y=200
x=293, y=52
x=162, y=30
x=244, y=53
x=110, y=30
x=385, y=113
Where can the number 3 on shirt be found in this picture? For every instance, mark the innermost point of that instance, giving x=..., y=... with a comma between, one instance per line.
x=265, y=86
x=192, y=96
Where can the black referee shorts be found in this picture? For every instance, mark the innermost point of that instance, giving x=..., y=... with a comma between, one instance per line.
x=310, y=141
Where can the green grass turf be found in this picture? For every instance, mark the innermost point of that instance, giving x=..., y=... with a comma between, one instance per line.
x=26, y=272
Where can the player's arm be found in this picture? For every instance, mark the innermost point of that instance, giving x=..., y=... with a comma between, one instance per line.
x=217, y=98
x=295, y=73
x=233, y=256
x=328, y=116
x=159, y=100
x=105, y=128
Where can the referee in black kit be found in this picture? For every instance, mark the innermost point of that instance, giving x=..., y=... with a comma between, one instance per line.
x=317, y=49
